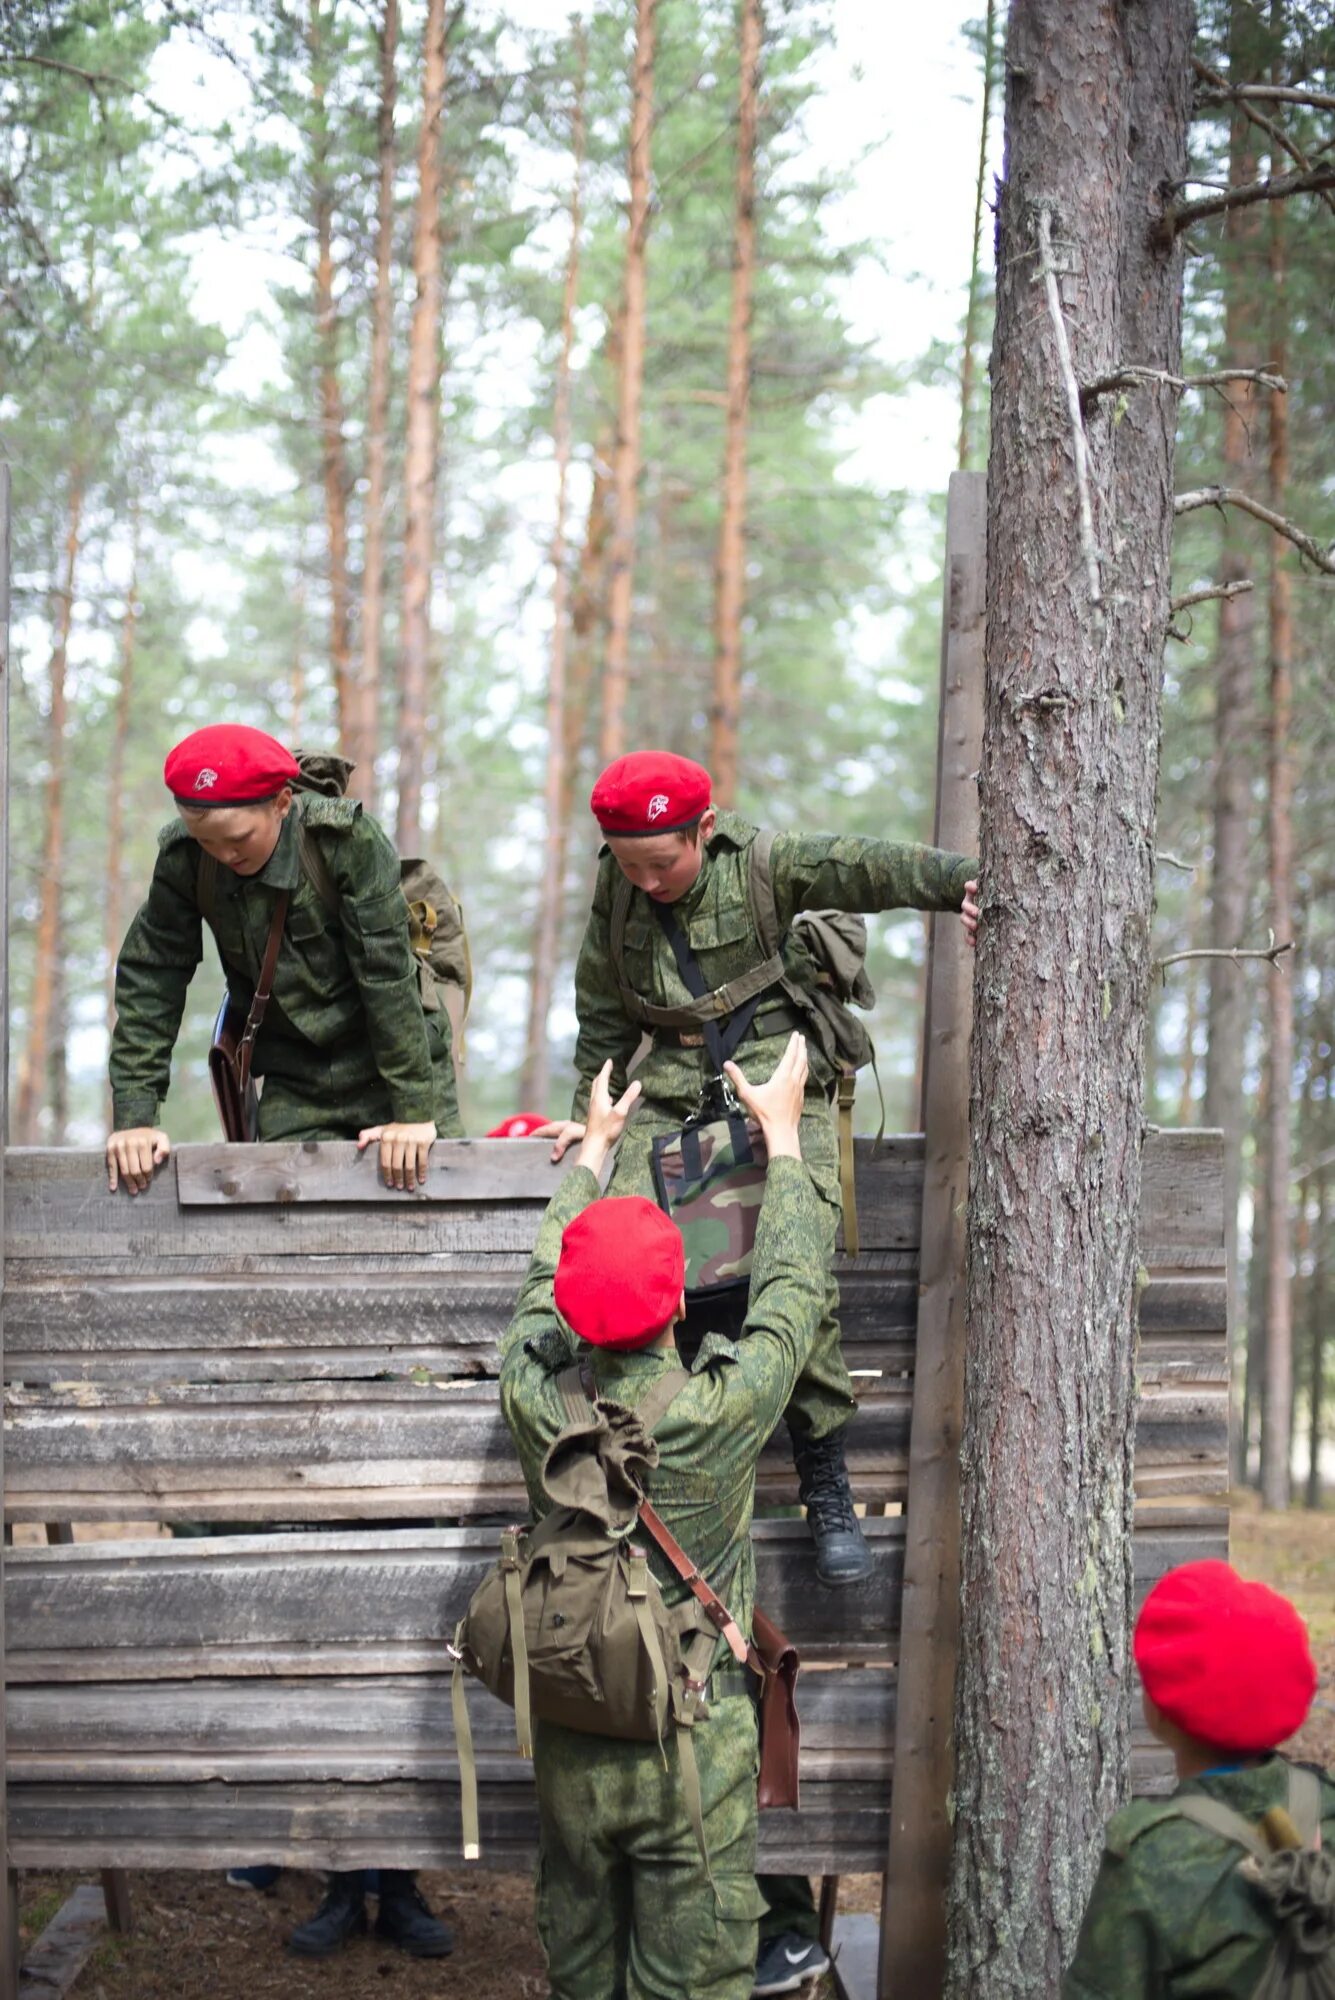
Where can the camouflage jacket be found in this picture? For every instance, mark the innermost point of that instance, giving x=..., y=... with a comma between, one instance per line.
x=1170, y=1915
x=811, y=871
x=346, y=1004
x=711, y=1438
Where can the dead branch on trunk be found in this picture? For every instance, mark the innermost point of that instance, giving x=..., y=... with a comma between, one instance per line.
x=1275, y=187
x=1209, y=591
x=1047, y=270
x=1233, y=496
x=1244, y=93
x=1222, y=92
x=1131, y=376
x=1272, y=953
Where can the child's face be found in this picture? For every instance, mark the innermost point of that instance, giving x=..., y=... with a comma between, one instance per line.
x=242, y=838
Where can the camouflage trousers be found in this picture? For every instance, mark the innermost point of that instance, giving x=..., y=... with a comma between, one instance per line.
x=309, y=1104
x=822, y=1400
x=624, y=1907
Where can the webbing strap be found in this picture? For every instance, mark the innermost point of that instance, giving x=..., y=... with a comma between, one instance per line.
x=639, y=1603
x=1305, y=1803
x=316, y=868
x=722, y=1043
x=578, y=1390
x=514, y=1605
x=848, y=1193
x=690, y=1785
x=710, y=1006
x=463, y=1739
x=1218, y=1818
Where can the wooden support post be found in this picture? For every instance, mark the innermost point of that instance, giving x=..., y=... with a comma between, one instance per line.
x=116, y=1896
x=829, y=1908
x=9, y=1918
x=913, y=1919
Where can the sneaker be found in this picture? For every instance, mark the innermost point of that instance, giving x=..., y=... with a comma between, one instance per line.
x=341, y=1915
x=261, y=1878
x=842, y=1556
x=787, y=1962
x=405, y=1919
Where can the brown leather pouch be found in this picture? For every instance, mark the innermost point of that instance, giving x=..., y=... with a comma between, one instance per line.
x=780, y=1730
x=230, y=1052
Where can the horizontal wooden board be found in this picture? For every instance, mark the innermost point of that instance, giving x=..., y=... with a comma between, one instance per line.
x=58, y=1207
x=384, y=1602
x=467, y=1170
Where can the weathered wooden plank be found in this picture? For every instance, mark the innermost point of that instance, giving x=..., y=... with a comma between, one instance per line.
x=1182, y=1189
x=9, y=1925
x=459, y=1170
x=913, y=1909
x=308, y=1603
x=54, y=1960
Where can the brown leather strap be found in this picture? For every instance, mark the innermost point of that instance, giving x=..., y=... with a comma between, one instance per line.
x=715, y=1610
x=259, y=1005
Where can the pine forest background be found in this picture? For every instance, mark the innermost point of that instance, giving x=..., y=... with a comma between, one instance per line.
x=541, y=442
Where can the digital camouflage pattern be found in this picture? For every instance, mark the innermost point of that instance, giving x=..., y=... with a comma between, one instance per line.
x=711, y=1181
x=617, y=1844
x=345, y=1043
x=809, y=871
x=1170, y=1914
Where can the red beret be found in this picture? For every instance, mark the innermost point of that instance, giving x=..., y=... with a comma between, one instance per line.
x=522, y=1126
x=1225, y=1660
x=621, y=1271
x=651, y=791
x=228, y=764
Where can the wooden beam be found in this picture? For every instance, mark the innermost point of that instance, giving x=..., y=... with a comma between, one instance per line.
x=221, y=1176
x=912, y=1941
x=9, y=1915
x=59, y=1955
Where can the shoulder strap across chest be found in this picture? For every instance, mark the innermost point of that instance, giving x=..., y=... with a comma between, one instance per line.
x=724, y=1000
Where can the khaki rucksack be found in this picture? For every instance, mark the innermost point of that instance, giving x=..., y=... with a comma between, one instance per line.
x=570, y=1626
x=1295, y=1879
x=435, y=917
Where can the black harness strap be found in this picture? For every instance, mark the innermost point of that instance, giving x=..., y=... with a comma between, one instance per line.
x=722, y=1044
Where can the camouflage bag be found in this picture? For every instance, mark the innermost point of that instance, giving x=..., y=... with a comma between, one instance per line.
x=1294, y=1878
x=710, y=1178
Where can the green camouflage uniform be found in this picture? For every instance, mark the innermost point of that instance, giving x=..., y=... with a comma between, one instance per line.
x=346, y=1042
x=1170, y=1915
x=625, y=1910
x=811, y=871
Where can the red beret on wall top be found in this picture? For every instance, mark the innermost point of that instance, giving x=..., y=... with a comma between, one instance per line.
x=521, y=1126
x=620, y=1274
x=1227, y=1661
x=650, y=791
x=228, y=764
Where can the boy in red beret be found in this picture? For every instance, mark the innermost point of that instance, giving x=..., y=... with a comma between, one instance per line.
x=1230, y=1880
x=625, y=1904
x=347, y=1049
x=676, y=850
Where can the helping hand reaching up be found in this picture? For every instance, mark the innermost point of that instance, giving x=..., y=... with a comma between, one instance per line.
x=777, y=1105
x=605, y=1122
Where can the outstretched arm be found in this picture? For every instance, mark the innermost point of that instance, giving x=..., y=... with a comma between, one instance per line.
x=823, y=871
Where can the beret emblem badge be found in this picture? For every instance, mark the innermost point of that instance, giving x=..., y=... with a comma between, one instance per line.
x=206, y=780
x=658, y=805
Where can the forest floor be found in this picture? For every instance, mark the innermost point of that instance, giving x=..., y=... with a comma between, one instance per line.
x=198, y=1939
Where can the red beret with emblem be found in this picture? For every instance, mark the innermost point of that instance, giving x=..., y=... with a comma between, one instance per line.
x=1226, y=1660
x=650, y=791
x=228, y=764
x=522, y=1126
x=621, y=1271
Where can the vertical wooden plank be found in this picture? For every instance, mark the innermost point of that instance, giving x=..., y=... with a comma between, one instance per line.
x=116, y=1897
x=9, y=1925
x=913, y=1926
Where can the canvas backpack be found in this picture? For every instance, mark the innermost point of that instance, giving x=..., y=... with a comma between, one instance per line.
x=819, y=966
x=570, y=1626
x=435, y=917
x=1295, y=1879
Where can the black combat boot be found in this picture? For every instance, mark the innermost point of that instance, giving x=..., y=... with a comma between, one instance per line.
x=341, y=1915
x=842, y=1556
x=405, y=1919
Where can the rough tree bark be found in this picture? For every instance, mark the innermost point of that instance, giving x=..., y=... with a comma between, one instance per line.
x=334, y=473
x=32, y=1076
x=1318, y=1309
x=626, y=460
x=534, y=1080
x=120, y=737
x=1277, y=1406
x=969, y=360
x=422, y=445
x=367, y=743
x=1230, y=991
x=1097, y=102
x=730, y=561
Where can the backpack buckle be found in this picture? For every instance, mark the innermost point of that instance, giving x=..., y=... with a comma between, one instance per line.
x=511, y=1538
x=638, y=1583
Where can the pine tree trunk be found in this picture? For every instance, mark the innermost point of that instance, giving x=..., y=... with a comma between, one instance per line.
x=626, y=464
x=1234, y=677
x=120, y=737
x=32, y=1075
x=1278, y=1407
x=1258, y=1287
x=377, y=425
x=296, y=673
x=422, y=445
x=1318, y=1294
x=335, y=476
x=730, y=563
x=534, y=1081
x=1097, y=107
x=969, y=361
